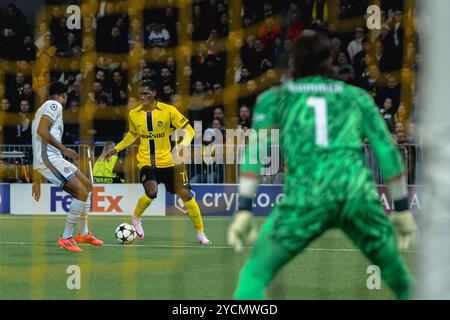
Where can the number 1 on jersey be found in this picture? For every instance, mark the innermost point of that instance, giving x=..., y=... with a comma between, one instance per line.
x=321, y=114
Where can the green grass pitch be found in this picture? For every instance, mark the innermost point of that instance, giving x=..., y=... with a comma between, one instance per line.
x=167, y=264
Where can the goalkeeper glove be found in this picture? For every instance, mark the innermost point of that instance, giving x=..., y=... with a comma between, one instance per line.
x=242, y=230
x=405, y=227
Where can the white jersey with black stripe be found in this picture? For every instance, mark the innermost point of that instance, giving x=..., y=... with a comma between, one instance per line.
x=43, y=152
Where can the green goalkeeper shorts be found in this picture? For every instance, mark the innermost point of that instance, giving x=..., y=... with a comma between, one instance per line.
x=296, y=221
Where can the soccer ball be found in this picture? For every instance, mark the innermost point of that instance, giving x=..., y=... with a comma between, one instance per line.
x=125, y=233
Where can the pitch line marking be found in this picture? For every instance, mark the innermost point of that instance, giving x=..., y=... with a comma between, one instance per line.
x=185, y=247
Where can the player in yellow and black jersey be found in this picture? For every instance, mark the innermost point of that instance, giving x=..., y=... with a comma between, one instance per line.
x=153, y=122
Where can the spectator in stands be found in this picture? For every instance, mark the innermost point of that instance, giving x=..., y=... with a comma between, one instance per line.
x=244, y=118
x=116, y=43
x=73, y=74
x=46, y=54
x=42, y=85
x=248, y=48
x=75, y=93
x=401, y=117
x=200, y=24
x=8, y=129
x=343, y=62
x=260, y=59
x=247, y=21
x=388, y=111
x=170, y=20
x=99, y=95
x=234, y=72
x=196, y=103
x=355, y=46
x=66, y=48
x=42, y=33
x=267, y=9
x=345, y=75
x=336, y=47
x=380, y=56
x=135, y=35
x=13, y=27
x=158, y=36
x=392, y=90
x=184, y=83
x=245, y=75
x=119, y=89
x=397, y=27
x=100, y=76
x=318, y=13
x=23, y=135
x=71, y=122
x=170, y=64
x=6, y=106
x=372, y=80
x=213, y=69
x=217, y=95
x=293, y=10
x=249, y=94
x=218, y=114
x=399, y=127
x=89, y=25
x=28, y=50
x=28, y=94
x=359, y=65
x=218, y=125
x=295, y=28
x=15, y=89
x=167, y=93
x=165, y=78
x=270, y=29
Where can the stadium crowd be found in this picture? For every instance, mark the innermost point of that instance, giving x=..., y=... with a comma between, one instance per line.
x=201, y=60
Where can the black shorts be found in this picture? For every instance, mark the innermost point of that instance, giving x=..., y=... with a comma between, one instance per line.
x=174, y=178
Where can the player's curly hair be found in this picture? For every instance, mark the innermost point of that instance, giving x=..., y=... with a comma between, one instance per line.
x=311, y=53
x=57, y=88
x=148, y=84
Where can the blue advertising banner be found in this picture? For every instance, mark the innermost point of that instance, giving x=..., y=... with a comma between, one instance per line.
x=5, y=198
x=222, y=199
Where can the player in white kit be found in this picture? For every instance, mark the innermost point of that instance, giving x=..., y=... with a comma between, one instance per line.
x=48, y=161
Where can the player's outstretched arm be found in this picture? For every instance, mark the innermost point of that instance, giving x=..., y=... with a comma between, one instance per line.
x=243, y=230
x=125, y=143
x=402, y=218
x=375, y=130
x=43, y=131
x=36, y=187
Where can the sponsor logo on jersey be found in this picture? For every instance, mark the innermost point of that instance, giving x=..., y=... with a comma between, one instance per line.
x=153, y=135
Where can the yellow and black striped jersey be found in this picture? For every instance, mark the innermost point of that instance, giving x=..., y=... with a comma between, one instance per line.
x=154, y=129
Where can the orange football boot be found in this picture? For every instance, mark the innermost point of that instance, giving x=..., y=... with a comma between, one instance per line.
x=89, y=238
x=69, y=244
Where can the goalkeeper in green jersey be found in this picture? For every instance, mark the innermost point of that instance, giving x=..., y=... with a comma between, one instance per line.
x=322, y=124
